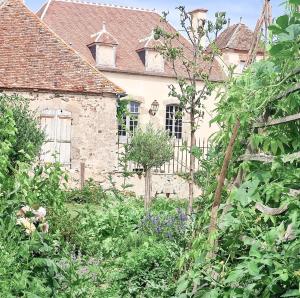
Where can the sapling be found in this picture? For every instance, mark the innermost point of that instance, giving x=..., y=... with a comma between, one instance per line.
x=192, y=63
x=149, y=148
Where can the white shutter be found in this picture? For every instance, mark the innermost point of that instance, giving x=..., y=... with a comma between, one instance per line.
x=63, y=136
x=57, y=127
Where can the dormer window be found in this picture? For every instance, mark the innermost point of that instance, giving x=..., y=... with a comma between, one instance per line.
x=104, y=48
x=152, y=59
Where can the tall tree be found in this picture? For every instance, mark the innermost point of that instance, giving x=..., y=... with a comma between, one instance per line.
x=192, y=63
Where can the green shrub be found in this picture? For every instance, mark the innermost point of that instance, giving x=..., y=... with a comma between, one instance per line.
x=30, y=256
x=29, y=137
x=92, y=192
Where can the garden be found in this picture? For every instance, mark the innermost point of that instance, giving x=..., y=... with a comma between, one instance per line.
x=105, y=242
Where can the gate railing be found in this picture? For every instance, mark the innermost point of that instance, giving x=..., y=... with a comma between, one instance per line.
x=178, y=164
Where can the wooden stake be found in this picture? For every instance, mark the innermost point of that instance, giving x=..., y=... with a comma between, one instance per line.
x=221, y=180
x=82, y=174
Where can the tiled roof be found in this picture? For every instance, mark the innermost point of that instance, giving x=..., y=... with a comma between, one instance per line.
x=34, y=57
x=75, y=21
x=236, y=37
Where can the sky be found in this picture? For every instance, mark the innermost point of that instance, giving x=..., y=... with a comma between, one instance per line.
x=249, y=10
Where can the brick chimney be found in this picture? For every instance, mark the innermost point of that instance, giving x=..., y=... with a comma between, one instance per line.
x=199, y=17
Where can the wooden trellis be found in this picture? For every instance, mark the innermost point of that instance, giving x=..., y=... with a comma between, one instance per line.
x=265, y=18
x=261, y=157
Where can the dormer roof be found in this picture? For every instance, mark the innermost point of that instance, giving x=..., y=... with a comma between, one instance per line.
x=75, y=21
x=149, y=42
x=104, y=37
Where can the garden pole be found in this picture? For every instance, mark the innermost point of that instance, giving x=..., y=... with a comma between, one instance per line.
x=221, y=180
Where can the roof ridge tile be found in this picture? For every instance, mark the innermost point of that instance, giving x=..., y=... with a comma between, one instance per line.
x=108, y=5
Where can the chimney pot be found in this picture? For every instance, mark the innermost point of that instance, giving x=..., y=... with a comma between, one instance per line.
x=199, y=17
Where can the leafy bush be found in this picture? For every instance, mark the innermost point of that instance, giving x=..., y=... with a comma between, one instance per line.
x=29, y=137
x=92, y=192
x=53, y=249
x=131, y=261
x=29, y=265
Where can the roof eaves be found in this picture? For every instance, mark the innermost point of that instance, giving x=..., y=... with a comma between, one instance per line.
x=57, y=90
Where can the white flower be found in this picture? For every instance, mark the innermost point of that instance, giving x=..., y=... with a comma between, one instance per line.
x=30, y=228
x=20, y=221
x=25, y=222
x=40, y=213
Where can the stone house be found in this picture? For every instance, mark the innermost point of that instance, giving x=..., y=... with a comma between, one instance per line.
x=119, y=41
x=71, y=61
x=76, y=103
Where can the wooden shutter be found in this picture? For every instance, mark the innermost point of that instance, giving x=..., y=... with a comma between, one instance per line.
x=57, y=126
x=63, y=137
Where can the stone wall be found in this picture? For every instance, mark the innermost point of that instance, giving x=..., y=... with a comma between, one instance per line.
x=93, y=130
x=169, y=185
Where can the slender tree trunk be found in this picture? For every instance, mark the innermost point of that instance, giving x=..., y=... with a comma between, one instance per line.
x=192, y=164
x=221, y=180
x=148, y=187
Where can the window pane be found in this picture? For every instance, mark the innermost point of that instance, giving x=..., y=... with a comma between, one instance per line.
x=134, y=107
x=174, y=120
x=130, y=119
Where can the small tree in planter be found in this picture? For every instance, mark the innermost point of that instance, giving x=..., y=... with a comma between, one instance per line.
x=149, y=148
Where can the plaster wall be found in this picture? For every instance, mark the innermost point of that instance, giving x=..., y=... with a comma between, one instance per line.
x=106, y=55
x=154, y=61
x=145, y=89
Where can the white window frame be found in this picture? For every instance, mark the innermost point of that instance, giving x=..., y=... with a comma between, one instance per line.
x=174, y=124
x=130, y=121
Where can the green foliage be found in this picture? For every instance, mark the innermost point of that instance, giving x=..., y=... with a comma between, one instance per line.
x=108, y=246
x=149, y=148
x=120, y=257
x=91, y=192
x=34, y=262
x=29, y=137
x=257, y=253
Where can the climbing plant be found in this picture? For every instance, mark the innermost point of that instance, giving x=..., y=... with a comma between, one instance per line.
x=258, y=222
